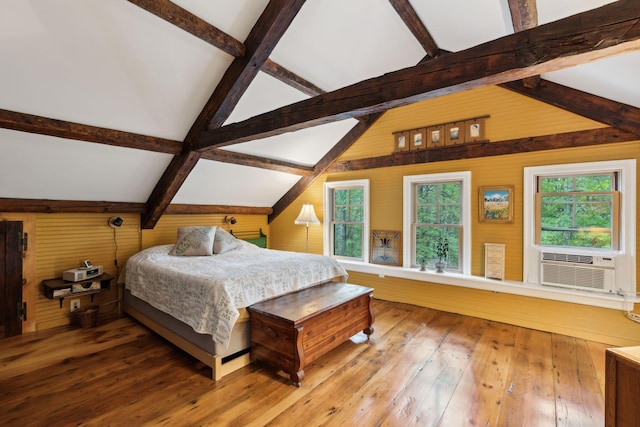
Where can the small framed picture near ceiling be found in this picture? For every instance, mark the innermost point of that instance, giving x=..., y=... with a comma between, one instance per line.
x=385, y=247
x=454, y=133
x=496, y=204
x=401, y=141
x=474, y=130
x=417, y=138
x=435, y=136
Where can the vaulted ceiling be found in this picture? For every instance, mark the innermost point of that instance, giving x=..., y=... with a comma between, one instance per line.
x=158, y=106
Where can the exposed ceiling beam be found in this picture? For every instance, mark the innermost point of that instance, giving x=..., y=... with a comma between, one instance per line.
x=257, y=161
x=583, y=138
x=177, y=209
x=612, y=113
x=524, y=15
x=68, y=206
x=192, y=24
x=262, y=39
x=69, y=130
x=335, y=152
x=167, y=187
x=290, y=78
x=408, y=14
x=609, y=30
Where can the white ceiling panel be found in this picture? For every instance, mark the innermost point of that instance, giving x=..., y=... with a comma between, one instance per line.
x=614, y=78
x=104, y=63
x=335, y=43
x=304, y=147
x=44, y=167
x=264, y=94
x=215, y=183
x=553, y=10
x=456, y=25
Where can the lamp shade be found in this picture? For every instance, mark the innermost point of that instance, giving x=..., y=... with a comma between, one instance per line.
x=307, y=215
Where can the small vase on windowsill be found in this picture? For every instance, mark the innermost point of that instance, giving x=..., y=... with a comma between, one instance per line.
x=440, y=265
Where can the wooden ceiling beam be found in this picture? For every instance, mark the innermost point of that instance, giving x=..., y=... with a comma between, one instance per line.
x=524, y=15
x=167, y=187
x=59, y=128
x=192, y=24
x=68, y=206
x=226, y=156
x=295, y=81
x=178, y=209
x=582, y=38
x=612, y=113
x=413, y=22
x=262, y=39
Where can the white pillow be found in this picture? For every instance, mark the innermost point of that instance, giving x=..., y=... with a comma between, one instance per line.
x=225, y=241
x=195, y=240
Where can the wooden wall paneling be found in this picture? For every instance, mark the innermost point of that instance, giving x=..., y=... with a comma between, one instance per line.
x=165, y=231
x=64, y=240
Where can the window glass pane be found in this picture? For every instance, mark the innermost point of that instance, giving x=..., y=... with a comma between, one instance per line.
x=556, y=184
x=347, y=240
x=356, y=214
x=575, y=238
x=426, y=193
x=356, y=196
x=427, y=214
x=450, y=214
x=340, y=197
x=450, y=193
x=341, y=213
x=427, y=239
x=594, y=183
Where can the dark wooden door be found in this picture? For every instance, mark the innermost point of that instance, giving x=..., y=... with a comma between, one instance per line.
x=10, y=278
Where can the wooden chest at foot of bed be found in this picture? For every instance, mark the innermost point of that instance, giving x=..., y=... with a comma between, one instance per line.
x=293, y=330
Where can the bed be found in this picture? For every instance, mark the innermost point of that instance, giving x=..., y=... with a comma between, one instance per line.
x=198, y=302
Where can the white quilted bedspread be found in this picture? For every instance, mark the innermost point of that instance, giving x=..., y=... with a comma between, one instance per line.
x=206, y=292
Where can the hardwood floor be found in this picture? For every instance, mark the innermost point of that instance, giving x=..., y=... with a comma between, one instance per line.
x=422, y=367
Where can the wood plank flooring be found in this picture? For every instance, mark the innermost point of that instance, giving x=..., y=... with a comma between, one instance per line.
x=422, y=367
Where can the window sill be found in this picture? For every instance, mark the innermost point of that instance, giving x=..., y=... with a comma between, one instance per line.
x=612, y=301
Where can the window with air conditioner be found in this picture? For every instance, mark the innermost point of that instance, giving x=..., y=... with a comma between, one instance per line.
x=579, y=226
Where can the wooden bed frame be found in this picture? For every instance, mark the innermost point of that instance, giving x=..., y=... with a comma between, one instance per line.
x=215, y=362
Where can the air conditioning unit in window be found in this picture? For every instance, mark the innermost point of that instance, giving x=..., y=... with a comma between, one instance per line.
x=584, y=272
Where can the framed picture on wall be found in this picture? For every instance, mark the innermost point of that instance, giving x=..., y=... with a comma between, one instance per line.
x=401, y=141
x=474, y=130
x=454, y=133
x=496, y=204
x=418, y=140
x=385, y=247
x=435, y=136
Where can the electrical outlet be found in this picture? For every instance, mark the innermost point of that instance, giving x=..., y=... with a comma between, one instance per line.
x=74, y=305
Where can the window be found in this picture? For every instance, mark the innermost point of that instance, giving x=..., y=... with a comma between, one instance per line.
x=437, y=207
x=578, y=210
x=347, y=226
x=581, y=209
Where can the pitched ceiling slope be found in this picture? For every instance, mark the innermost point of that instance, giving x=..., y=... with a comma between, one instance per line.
x=171, y=181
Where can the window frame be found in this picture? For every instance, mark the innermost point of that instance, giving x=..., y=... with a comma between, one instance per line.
x=624, y=255
x=329, y=188
x=409, y=244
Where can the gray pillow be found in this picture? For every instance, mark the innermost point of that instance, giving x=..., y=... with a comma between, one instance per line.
x=195, y=240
